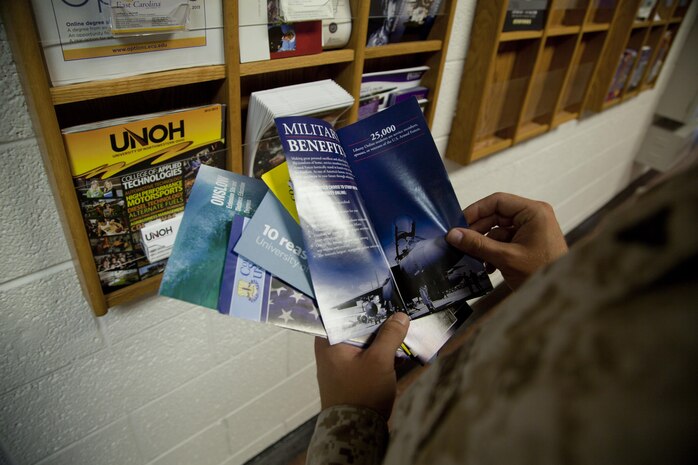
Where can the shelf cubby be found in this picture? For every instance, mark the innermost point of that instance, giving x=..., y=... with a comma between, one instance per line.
x=513, y=67
x=546, y=85
x=581, y=72
x=566, y=13
x=663, y=10
x=680, y=8
x=601, y=12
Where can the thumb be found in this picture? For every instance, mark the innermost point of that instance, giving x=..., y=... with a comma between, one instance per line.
x=390, y=337
x=478, y=245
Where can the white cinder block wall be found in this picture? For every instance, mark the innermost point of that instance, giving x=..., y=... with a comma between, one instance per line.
x=162, y=382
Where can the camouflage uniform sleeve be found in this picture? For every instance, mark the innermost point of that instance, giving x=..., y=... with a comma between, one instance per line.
x=346, y=434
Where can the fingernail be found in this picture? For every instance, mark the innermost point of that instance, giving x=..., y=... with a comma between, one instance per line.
x=454, y=236
x=401, y=318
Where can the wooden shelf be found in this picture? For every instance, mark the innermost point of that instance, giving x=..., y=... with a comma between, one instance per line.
x=610, y=103
x=529, y=130
x=563, y=30
x=129, y=293
x=490, y=146
x=306, y=61
x=128, y=85
x=406, y=48
x=639, y=24
x=562, y=117
x=596, y=27
x=520, y=35
x=231, y=84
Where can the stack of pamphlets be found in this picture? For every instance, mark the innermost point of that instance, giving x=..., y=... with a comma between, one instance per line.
x=323, y=99
x=132, y=178
x=382, y=89
x=643, y=61
x=365, y=239
x=626, y=63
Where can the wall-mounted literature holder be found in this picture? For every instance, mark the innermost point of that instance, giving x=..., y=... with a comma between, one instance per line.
x=522, y=83
x=56, y=107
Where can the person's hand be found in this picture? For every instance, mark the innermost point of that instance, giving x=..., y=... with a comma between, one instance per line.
x=348, y=375
x=515, y=235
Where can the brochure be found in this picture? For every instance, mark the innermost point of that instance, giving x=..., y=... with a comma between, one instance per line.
x=137, y=18
x=274, y=241
x=265, y=34
x=250, y=292
x=375, y=204
x=195, y=269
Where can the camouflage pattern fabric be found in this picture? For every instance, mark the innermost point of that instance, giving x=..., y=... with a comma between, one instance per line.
x=348, y=435
x=592, y=361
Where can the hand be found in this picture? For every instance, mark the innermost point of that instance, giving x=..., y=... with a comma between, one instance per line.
x=348, y=375
x=515, y=235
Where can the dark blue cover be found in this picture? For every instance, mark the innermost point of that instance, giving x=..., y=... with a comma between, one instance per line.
x=412, y=205
x=375, y=209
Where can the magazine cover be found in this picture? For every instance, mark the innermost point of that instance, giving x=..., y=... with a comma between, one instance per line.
x=627, y=60
x=383, y=250
x=288, y=39
x=392, y=21
x=525, y=15
x=195, y=268
x=133, y=173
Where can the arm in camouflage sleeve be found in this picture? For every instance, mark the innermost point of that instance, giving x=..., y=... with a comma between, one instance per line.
x=345, y=434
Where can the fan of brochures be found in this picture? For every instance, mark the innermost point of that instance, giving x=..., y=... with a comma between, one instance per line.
x=345, y=227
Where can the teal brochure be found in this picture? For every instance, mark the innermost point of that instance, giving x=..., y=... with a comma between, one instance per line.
x=274, y=241
x=195, y=268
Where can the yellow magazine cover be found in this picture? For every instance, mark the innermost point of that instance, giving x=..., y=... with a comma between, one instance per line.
x=132, y=178
x=278, y=181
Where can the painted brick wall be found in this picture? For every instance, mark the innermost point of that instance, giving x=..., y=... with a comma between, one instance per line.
x=162, y=382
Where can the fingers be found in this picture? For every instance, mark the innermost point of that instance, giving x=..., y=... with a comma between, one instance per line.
x=321, y=345
x=499, y=205
x=325, y=351
x=389, y=338
x=501, y=234
x=483, y=225
x=479, y=246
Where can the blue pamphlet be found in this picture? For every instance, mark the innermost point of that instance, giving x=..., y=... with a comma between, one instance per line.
x=250, y=292
x=274, y=241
